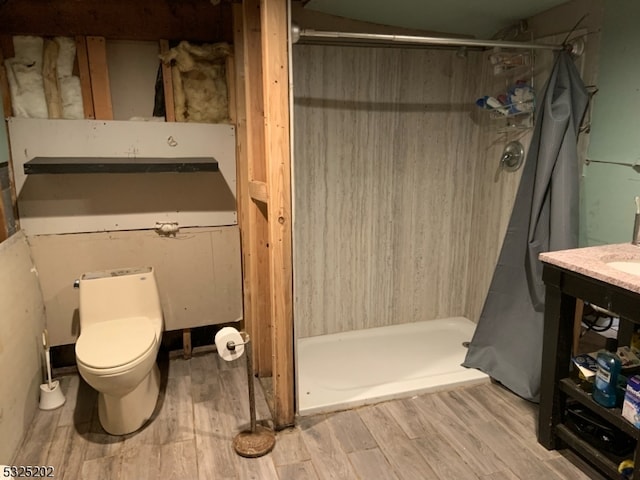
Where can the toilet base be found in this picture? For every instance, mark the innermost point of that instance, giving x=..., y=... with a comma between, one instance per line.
x=126, y=414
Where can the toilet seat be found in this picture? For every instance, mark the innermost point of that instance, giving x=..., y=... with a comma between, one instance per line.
x=115, y=343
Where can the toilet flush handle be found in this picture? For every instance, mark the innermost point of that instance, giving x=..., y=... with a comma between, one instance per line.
x=76, y=283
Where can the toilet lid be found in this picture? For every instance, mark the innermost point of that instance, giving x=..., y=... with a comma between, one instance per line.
x=115, y=343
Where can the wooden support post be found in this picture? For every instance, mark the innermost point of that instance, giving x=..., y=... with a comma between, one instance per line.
x=257, y=226
x=4, y=231
x=186, y=343
x=50, y=78
x=4, y=228
x=167, y=86
x=85, y=77
x=6, y=51
x=230, y=68
x=6, y=93
x=275, y=65
x=242, y=167
x=6, y=45
x=99, y=71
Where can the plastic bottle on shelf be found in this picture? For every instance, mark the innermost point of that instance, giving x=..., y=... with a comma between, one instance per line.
x=609, y=366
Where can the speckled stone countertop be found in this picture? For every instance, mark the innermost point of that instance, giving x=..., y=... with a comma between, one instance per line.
x=592, y=262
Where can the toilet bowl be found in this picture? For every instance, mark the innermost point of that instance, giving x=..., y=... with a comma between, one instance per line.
x=120, y=331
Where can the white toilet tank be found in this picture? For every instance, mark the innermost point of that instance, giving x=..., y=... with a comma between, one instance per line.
x=120, y=293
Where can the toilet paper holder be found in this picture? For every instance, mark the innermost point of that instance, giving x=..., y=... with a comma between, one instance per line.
x=231, y=345
x=259, y=440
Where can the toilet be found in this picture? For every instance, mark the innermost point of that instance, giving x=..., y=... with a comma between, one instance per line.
x=121, y=327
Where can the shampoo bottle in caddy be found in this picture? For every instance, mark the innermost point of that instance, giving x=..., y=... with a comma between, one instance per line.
x=609, y=366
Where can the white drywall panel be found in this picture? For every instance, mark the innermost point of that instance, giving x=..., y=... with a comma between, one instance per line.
x=22, y=321
x=198, y=273
x=73, y=203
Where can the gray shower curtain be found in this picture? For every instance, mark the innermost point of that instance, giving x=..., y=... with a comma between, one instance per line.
x=507, y=344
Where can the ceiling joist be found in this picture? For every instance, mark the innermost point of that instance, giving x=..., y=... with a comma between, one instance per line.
x=193, y=20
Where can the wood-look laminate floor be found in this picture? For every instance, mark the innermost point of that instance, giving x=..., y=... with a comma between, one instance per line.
x=481, y=432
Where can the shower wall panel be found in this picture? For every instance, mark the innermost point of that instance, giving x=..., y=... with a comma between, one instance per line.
x=385, y=157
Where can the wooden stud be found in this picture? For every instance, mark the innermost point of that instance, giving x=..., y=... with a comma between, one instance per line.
x=186, y=343
x=99, y=71
x=6, y=51
x=231, y=87
x=50, y=78
x=179, y=99
x=261, y=280
x=167, y=84
x=242, y=168
x=257, y=228
x=6, y=45
x=85, y=77
x=14, y=193
x=4, y=88
x=4, y=228
x=275, y=64
x=255, y=90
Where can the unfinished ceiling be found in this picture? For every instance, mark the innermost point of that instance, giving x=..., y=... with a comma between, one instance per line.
x=194, y=20
x=461, y=17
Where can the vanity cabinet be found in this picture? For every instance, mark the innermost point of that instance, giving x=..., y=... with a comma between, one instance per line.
x=582, y=274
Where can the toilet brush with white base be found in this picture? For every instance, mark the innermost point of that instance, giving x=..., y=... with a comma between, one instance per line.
x=51, y=396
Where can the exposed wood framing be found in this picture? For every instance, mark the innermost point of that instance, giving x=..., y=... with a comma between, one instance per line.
x=275, y=64
x=194, y=20
x=266, y=223
x=186, y=344
x=99, y=71
x=242, y=163
x=230, y=68
x=7, y=51
x=50, y=78
x=4, y=231
x=258, y=191
x=85, y=77
x=167, y=85
x=257, y=227
x=4, y=82
x=6, y=94
x=6, y=45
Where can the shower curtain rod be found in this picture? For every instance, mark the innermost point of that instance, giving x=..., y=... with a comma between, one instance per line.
x=574, y=46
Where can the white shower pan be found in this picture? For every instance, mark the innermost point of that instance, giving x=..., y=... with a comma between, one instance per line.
x=350, y=369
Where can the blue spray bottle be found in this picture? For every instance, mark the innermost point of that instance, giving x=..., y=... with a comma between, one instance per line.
x=609, y=366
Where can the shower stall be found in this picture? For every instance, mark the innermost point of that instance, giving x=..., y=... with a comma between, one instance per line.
x=400, y=210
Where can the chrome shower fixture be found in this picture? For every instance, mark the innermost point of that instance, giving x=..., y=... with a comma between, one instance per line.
x=512, y=157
